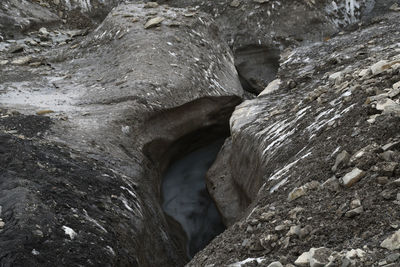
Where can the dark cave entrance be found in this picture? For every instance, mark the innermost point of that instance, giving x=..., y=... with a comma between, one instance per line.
x=186, y=199
x=185, y=141
x=257, y=65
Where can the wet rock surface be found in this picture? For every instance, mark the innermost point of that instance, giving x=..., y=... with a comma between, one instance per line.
x=93, y=114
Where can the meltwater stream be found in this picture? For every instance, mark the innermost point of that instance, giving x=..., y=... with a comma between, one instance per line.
x=186, y=199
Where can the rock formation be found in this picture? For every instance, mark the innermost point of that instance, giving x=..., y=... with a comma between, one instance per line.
x=93, y=111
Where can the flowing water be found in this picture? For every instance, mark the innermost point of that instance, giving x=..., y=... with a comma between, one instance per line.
x=186, y=199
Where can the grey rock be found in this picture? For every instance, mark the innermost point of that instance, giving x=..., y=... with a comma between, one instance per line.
x=392, y=242
x=352, y=177
x=396, y=85
x=354, y=212
x=235, y=3
x=382, y=180
x=22, y=60
x=303, y=260
x=153, y=22
x=342, y=159
x=355, y=203
x=230, y=201
x=379, y=67
x=392, y=257
x=390, y=146
x=319, y=257
x=388, y=106
x=296, y=193
x=331, y=184
x=275, y=264
x=294, y=230
x=150, y=5
x=386, y=168
x=272, y=87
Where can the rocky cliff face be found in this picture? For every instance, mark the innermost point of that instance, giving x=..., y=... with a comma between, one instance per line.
x=92, y=115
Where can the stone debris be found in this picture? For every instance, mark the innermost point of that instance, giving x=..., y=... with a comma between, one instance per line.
x=319, y=256
x=275, y=264
x=296, y=193
x=392, y=242
x=342, y=159
x=354, y=212
x=303, y=260
x=379, y=67
x=44, y=112
x=331, y=184
x=395, y=7
x=335, y=77
x=272, y=87
x=153, y=22
x=396, y=86
x=301, y=191
x=352, y=177
x=235, y=3
x=150, y=5
x=43, y=31
x=22, y=60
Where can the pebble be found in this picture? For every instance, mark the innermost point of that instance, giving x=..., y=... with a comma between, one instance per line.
x=294, y=230
x=235, y=3
x=354, y=212
x=296, y=193
x=151, y=5
x=44, y=31
x=43, y=112
x=335, y=76
x=355, y=203
x=382, y=180
x=22, y=60
x=37, y=233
